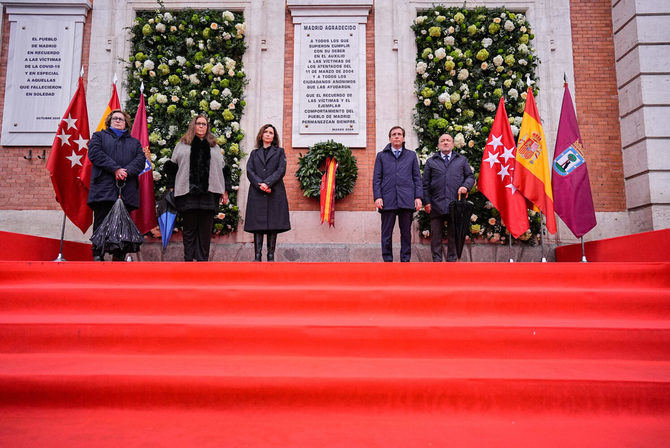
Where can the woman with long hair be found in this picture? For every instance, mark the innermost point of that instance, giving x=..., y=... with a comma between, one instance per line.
x=267, y=205
x=196, y=174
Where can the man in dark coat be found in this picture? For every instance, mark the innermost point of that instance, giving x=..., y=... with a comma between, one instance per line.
x=396, y=186
x=116, y=157
x=445, y=175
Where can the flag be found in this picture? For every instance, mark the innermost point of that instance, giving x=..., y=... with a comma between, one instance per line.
x=496, y=172
x=328, y=192
x=570, y=180
x=66, y=161
x=532, y=176
x=145, y=216
x=112, y=105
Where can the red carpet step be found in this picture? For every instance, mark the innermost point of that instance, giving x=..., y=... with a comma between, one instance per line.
x=282, y=354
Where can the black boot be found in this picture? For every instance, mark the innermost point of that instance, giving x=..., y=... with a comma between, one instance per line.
x=258, y=246
x=272, y=242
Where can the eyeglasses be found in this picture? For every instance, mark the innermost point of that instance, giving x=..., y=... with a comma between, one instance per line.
x=200, y=124
x=118, y=119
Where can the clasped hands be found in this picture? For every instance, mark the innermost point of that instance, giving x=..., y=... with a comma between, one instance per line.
x=461, y=190
x=264, y=187
x=379, y=203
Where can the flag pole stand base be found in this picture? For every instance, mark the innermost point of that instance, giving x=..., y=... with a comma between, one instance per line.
x=60, y=258
x=584, y=260
x=511, y=260
x=544, y=260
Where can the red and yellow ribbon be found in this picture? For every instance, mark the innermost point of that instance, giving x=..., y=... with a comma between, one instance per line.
x=328, y=192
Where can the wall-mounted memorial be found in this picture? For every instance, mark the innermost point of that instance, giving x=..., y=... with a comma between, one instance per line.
x=329, y=77
x=44, y=60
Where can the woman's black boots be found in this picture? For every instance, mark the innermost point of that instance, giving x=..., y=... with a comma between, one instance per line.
x=258, y=245
x=272, y=242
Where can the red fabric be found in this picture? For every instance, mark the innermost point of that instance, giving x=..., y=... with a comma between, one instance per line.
x=334, y=354
x=67, y=164
x=16, y=246
x=327, y=192
x=145, y=216
x=646, y=246
x=495, y=183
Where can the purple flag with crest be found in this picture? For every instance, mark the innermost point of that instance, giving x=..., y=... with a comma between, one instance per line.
x=570, y=178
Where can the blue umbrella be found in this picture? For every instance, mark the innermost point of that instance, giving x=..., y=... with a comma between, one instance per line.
x=167, y=214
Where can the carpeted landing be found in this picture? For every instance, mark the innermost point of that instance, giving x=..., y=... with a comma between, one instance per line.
x=334, y=355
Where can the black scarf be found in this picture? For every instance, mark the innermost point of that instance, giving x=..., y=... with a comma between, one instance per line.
x=198, y=176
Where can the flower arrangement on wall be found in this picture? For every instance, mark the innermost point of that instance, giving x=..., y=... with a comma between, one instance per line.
x=311, y=169
x=466, y=60
x=190, y=62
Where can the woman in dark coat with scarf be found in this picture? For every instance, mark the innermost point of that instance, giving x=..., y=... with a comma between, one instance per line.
x=196, y=174
x=117, y=160
x=267, y=205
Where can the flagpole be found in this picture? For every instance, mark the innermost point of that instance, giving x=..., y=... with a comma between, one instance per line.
x=584, y=260
x=544, y=259
x=62, y=237
x=511, y=259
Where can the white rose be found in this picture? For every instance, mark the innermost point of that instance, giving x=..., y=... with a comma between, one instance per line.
x=463, y=75
x=160, y=28
x=440, y=53
x=181, y=60
x=157, y=175
x=149, y=64
x=190, y=42
x=486, y=42
x=449, y=40
x=513, y=94
x=426, y=102
x=214, y=105
x=227, y=15
x=509, y=26
x=459, y=140
x=498, y=60
x=421, y=67
x=443, y=98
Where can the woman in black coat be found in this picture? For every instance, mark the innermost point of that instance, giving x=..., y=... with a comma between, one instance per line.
x=196, y=173
x=267, y=206
x=117, y=158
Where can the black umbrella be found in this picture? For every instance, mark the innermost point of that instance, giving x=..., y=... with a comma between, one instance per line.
x=118, y=234
x=167, y=213
x=460, y=212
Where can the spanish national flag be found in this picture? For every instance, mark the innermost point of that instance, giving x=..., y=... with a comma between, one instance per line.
x=328, y=192
x=113, y=104
x=532, y=175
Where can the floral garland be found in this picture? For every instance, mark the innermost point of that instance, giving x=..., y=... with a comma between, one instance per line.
x=190, y=62
x=309, y=173
x=466, y=60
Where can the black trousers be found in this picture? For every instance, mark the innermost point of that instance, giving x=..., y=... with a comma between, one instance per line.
x=405, y=225
x=436, y=223
x=197, y=233
x=100, y=212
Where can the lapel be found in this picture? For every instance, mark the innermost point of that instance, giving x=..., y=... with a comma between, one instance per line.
x=269, y=154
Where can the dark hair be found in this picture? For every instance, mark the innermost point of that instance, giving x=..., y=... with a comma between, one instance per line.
x=397, y=127
x=126, y=115
x=259, y=137
x=190, y=132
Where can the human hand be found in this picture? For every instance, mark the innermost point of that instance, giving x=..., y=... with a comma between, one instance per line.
x=427, y=207
x=417, y=204
x=224, y=198
x=263, y=186
x=462, y=190
x=379, y=203
x=121, y=174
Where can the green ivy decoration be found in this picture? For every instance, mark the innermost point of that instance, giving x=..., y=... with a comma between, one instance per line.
x=190, y=62
x=310, y=171
x=467, y=58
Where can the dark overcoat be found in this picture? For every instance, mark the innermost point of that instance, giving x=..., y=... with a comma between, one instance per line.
x=108, y=153
x=267, y=212
x=442, y=180
x=396, y=181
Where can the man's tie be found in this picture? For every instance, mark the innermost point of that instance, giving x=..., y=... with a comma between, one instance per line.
x=396, y=153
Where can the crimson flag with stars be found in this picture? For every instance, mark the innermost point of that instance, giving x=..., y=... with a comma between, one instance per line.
x=67, y=161
x=496, y=172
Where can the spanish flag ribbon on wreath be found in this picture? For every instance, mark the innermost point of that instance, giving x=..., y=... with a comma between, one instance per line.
x=327, y=195
x=532, y=174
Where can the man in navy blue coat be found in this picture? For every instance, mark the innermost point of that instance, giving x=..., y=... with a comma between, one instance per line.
x=397, y=190
x=445, y=175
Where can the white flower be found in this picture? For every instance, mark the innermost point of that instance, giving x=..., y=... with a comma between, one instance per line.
x=157, y=175
x=174, y=98
x=426, y=233
x=201, y=45
x=515, y=130
x=449, y=40
x=513, y=94
x=153, y=157
x=518, y=120
x=473, y=218
x=231, y=106
x=226, y=35
x=218, y=69
x=440, y=53
x=226, y=93
x=162, y=142
x=498, y=60
x=490, y=107
x=214, y=105
x=241, y=29
x=421, y=67
x=227, y=15
x=509, y=26
x=235, y=125
x=229, y=63
x=450, y=83
x=138, y=64
x=443, y=98
x=425, y=76
x=235, y=187
x=523, y=62
x=231, y=73
x=167, y=17
x=523, y=48
x=450, y=30
x=459, y=140
x=430, y=56
x=150, y=119
x=423, y=32
x=486, y=42
x=463, y=75
x=160, y=27
x=419, y=20
x=161, y=99
x=149, y=64
x=426, y=102
x=194, y=78
x=181, y=60
x=190, y=42
x=152, y=73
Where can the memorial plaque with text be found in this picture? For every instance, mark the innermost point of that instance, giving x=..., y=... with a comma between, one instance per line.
x=329, y=79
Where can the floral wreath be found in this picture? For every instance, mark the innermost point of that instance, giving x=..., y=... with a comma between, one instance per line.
x=311, y=169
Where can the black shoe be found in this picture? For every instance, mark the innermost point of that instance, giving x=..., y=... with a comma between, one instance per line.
x=258, y=246
x=98, y=258
x=272, y=242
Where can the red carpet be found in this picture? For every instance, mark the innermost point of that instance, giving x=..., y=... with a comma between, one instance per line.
x=334, y=355
x=646, y=246
x=20, y=247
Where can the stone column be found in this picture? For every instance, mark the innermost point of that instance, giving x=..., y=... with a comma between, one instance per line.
x=642, y=45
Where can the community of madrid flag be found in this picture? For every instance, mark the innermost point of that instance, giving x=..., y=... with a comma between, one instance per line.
x=145, y=216
x=570, y=181
x=532, y=176
x=328, y=192
x=66, y=161
x=497, y=171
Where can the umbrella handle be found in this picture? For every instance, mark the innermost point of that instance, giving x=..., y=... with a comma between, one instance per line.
x=120, y=186
x=459, y=196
